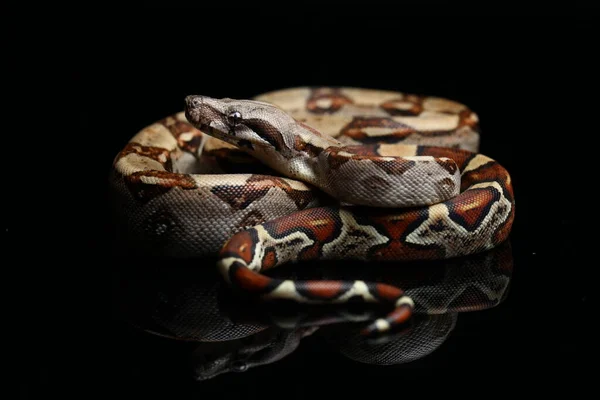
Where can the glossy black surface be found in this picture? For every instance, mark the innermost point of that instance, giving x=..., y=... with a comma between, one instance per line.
x=229, y=334
x=106, y=326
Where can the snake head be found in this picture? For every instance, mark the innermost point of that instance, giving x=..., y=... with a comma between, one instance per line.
x=245, y=123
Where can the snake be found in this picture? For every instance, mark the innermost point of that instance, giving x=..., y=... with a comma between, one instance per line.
x=342, y=173
x=187, y=304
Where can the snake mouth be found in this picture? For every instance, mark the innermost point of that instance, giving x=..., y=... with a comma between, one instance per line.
x=210, y=130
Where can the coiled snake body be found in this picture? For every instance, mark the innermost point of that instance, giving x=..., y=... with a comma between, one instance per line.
x=392, y=192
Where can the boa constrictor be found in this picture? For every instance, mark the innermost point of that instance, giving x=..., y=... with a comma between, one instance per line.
x=188, y=304
x=391, y=192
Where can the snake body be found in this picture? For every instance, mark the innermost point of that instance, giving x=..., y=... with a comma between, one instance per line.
x=392, y=192
x=184, y=303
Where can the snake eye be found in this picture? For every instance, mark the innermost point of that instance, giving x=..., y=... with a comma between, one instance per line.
x=234, y=117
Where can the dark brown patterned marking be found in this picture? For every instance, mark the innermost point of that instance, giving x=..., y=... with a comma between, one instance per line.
x=356, y=130
x=308, y=148
x=396, y=227
x=471, y=207
x=159, y=154
x=253, y=218
x=334, y=160
x=165, y=181
x=468, y=118
x=334, y=97
x=490, y=172
x=460, y=157
x=438, y=226
x=235, y=155
x=233, y=161
x=364, y=149
x=322, y=224
x=178, y=128
x=447, y=164
x=397, y=106
x=238, y=196
x=260, y=181
x=448, y=185
x=267, y=132
x=165, y=178
x=256, y=187
x=397, y=166
x=301, y=197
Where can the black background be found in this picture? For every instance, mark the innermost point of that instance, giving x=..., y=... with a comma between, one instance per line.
x=530, y=74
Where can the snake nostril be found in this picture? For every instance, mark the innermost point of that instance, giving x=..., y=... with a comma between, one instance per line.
x=193, y=101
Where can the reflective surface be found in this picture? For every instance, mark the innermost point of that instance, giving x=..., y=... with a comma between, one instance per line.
x=175, y=301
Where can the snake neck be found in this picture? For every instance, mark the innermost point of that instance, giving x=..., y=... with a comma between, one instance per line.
x=302, y=155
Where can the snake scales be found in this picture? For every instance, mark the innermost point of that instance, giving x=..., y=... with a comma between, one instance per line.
x=344, y=173
x=185, y=303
